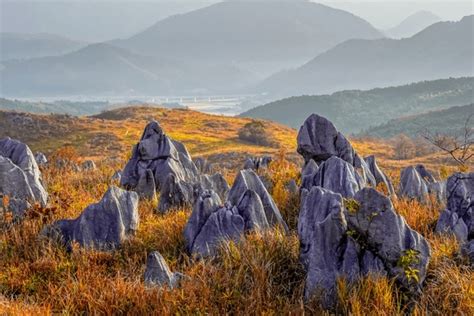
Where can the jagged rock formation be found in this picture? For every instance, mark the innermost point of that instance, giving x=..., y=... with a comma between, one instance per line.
x=379, y=176
x=458, y=217
x=319, y=140
x=20, y=177
x=350, y=238
x=249, y=207
x=104, y=225
x=88, y=165
x=256, y=163
x=338, y=176
x=158, y=273
x=117, y=176
x=41, y=159
x=175, y=175
x=417, y=183
x=203, y=165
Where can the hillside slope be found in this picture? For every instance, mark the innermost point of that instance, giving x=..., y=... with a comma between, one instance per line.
x=413, y=24
x=448, y=122
x=25, y=46
x=354, y=111
x=440, y=51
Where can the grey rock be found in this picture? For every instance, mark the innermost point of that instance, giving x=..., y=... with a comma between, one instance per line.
x=117, y=176
x=353, y=239
x=172, y=169
x=338, y=176
x=412, y=184
x=146, y=188
x=88, y=165
x=458, y=218
x=379, y=176
x=204, y=166
x=158, y=273
x=292, y=187
x=257, y=163
x=41, y=159
x=20, y=177
x=249, y=180
x=318, y=139
x=308, y=173
x=104, y=225
x=467, y=250
x=449, y=222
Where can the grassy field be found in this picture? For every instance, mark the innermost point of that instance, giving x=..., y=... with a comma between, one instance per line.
x=259, y=275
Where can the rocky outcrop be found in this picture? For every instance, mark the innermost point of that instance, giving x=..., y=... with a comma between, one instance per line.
x=381, y=179
x=350, y=238
x=204, y=166
x=88, y=165
x=41, y=159
x=249, y=207
x=20, y=177
x=104, y=225
x=158, y=273
x=174, y=173
x=257, y=163
x=458, y=217
x=338, y=176
x=418, y=183
x=319, y=140
x=249, y=180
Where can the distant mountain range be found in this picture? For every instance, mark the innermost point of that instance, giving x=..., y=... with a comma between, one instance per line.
x=25, y=46
x=221, y=48
x=442, y=50
x=57, y=107
x=413, y=24
x=355, y=111
x=447, y=122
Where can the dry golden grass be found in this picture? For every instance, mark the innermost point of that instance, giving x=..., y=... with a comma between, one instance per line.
x=259, y=275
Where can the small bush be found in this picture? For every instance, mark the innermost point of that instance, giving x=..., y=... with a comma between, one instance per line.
x=255, y=132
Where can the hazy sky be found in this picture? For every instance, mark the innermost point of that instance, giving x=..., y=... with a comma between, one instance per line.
x=93, y=20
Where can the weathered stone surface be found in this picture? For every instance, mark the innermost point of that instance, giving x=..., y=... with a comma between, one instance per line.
x=146, y=188
x=88, y=165
x=104, y=225
x=249, y=207
x=249, y=180
x=158, y=273
x=307, y=174
x=204, y=166
x=351, y=238
x=116, y=176
x=172, y=169
x=20, y=177
x=458, y=218
x=417, y=183
x=41, y=159
x=292, y=187
x=257, y=163
x=467, y=250
x=338, y=176
x=380, y=177
x=319, y=140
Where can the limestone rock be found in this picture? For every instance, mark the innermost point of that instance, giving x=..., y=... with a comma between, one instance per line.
x=380, y=177
x=41, y=159
x=257, y=163
x=158, y=273
x=104, y=225
x=417, y=183
x=249, y=180
x=88, y=165
x=20, y=177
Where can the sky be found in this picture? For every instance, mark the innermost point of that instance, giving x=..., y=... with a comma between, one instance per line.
x=93, y=20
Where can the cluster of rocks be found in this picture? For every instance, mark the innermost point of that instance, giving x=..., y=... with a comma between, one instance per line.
x=347, y=228
x=158, y=273
x=416, y=182
x=257, y=163
x=20, y=178
x=161, y=164
x=249, y=207
x=458, y=217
